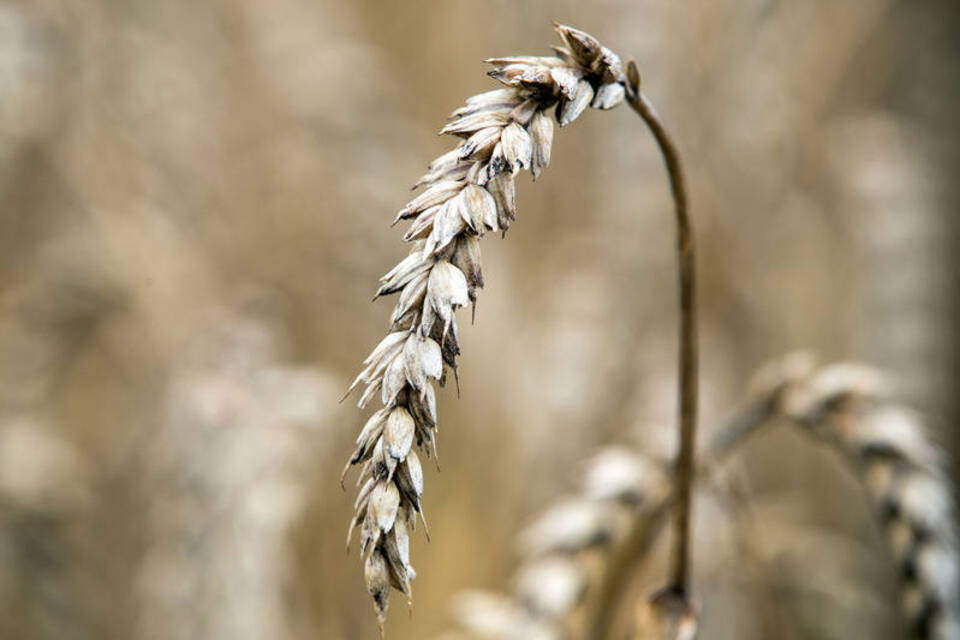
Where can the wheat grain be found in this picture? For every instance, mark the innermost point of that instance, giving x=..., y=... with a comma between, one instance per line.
x=466, y=192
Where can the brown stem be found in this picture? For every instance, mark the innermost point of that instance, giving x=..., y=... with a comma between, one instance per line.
x=620, y=566
x=680, y=555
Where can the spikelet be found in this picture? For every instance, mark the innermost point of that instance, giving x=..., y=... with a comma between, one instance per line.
x=466, y=193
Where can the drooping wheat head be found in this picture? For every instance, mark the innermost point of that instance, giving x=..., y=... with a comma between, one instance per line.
x=466, y=192
x=849, y=406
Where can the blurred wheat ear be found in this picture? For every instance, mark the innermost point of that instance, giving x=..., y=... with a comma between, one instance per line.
x=466, y=193
x=562, y=590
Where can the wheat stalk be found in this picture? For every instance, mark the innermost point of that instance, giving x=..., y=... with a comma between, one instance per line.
x=626, y=496
x=466, y=192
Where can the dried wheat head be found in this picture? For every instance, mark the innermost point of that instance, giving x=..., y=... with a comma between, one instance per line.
x=466, y=193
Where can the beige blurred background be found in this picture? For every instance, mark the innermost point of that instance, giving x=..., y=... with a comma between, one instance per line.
x=196, y=200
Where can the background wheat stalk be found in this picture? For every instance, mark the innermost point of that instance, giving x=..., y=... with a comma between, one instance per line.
x=466, y=192
x=579, y=555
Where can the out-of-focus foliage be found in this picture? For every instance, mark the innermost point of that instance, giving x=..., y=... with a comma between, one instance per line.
x=194, y=210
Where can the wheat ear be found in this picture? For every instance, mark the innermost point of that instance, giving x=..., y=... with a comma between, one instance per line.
x=581, y=553
x=466, y=192
x=849, y=407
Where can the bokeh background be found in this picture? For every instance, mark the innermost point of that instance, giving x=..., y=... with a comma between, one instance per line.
x=195, y=201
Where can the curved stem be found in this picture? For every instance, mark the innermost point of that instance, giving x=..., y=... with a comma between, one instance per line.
x=680, y=554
